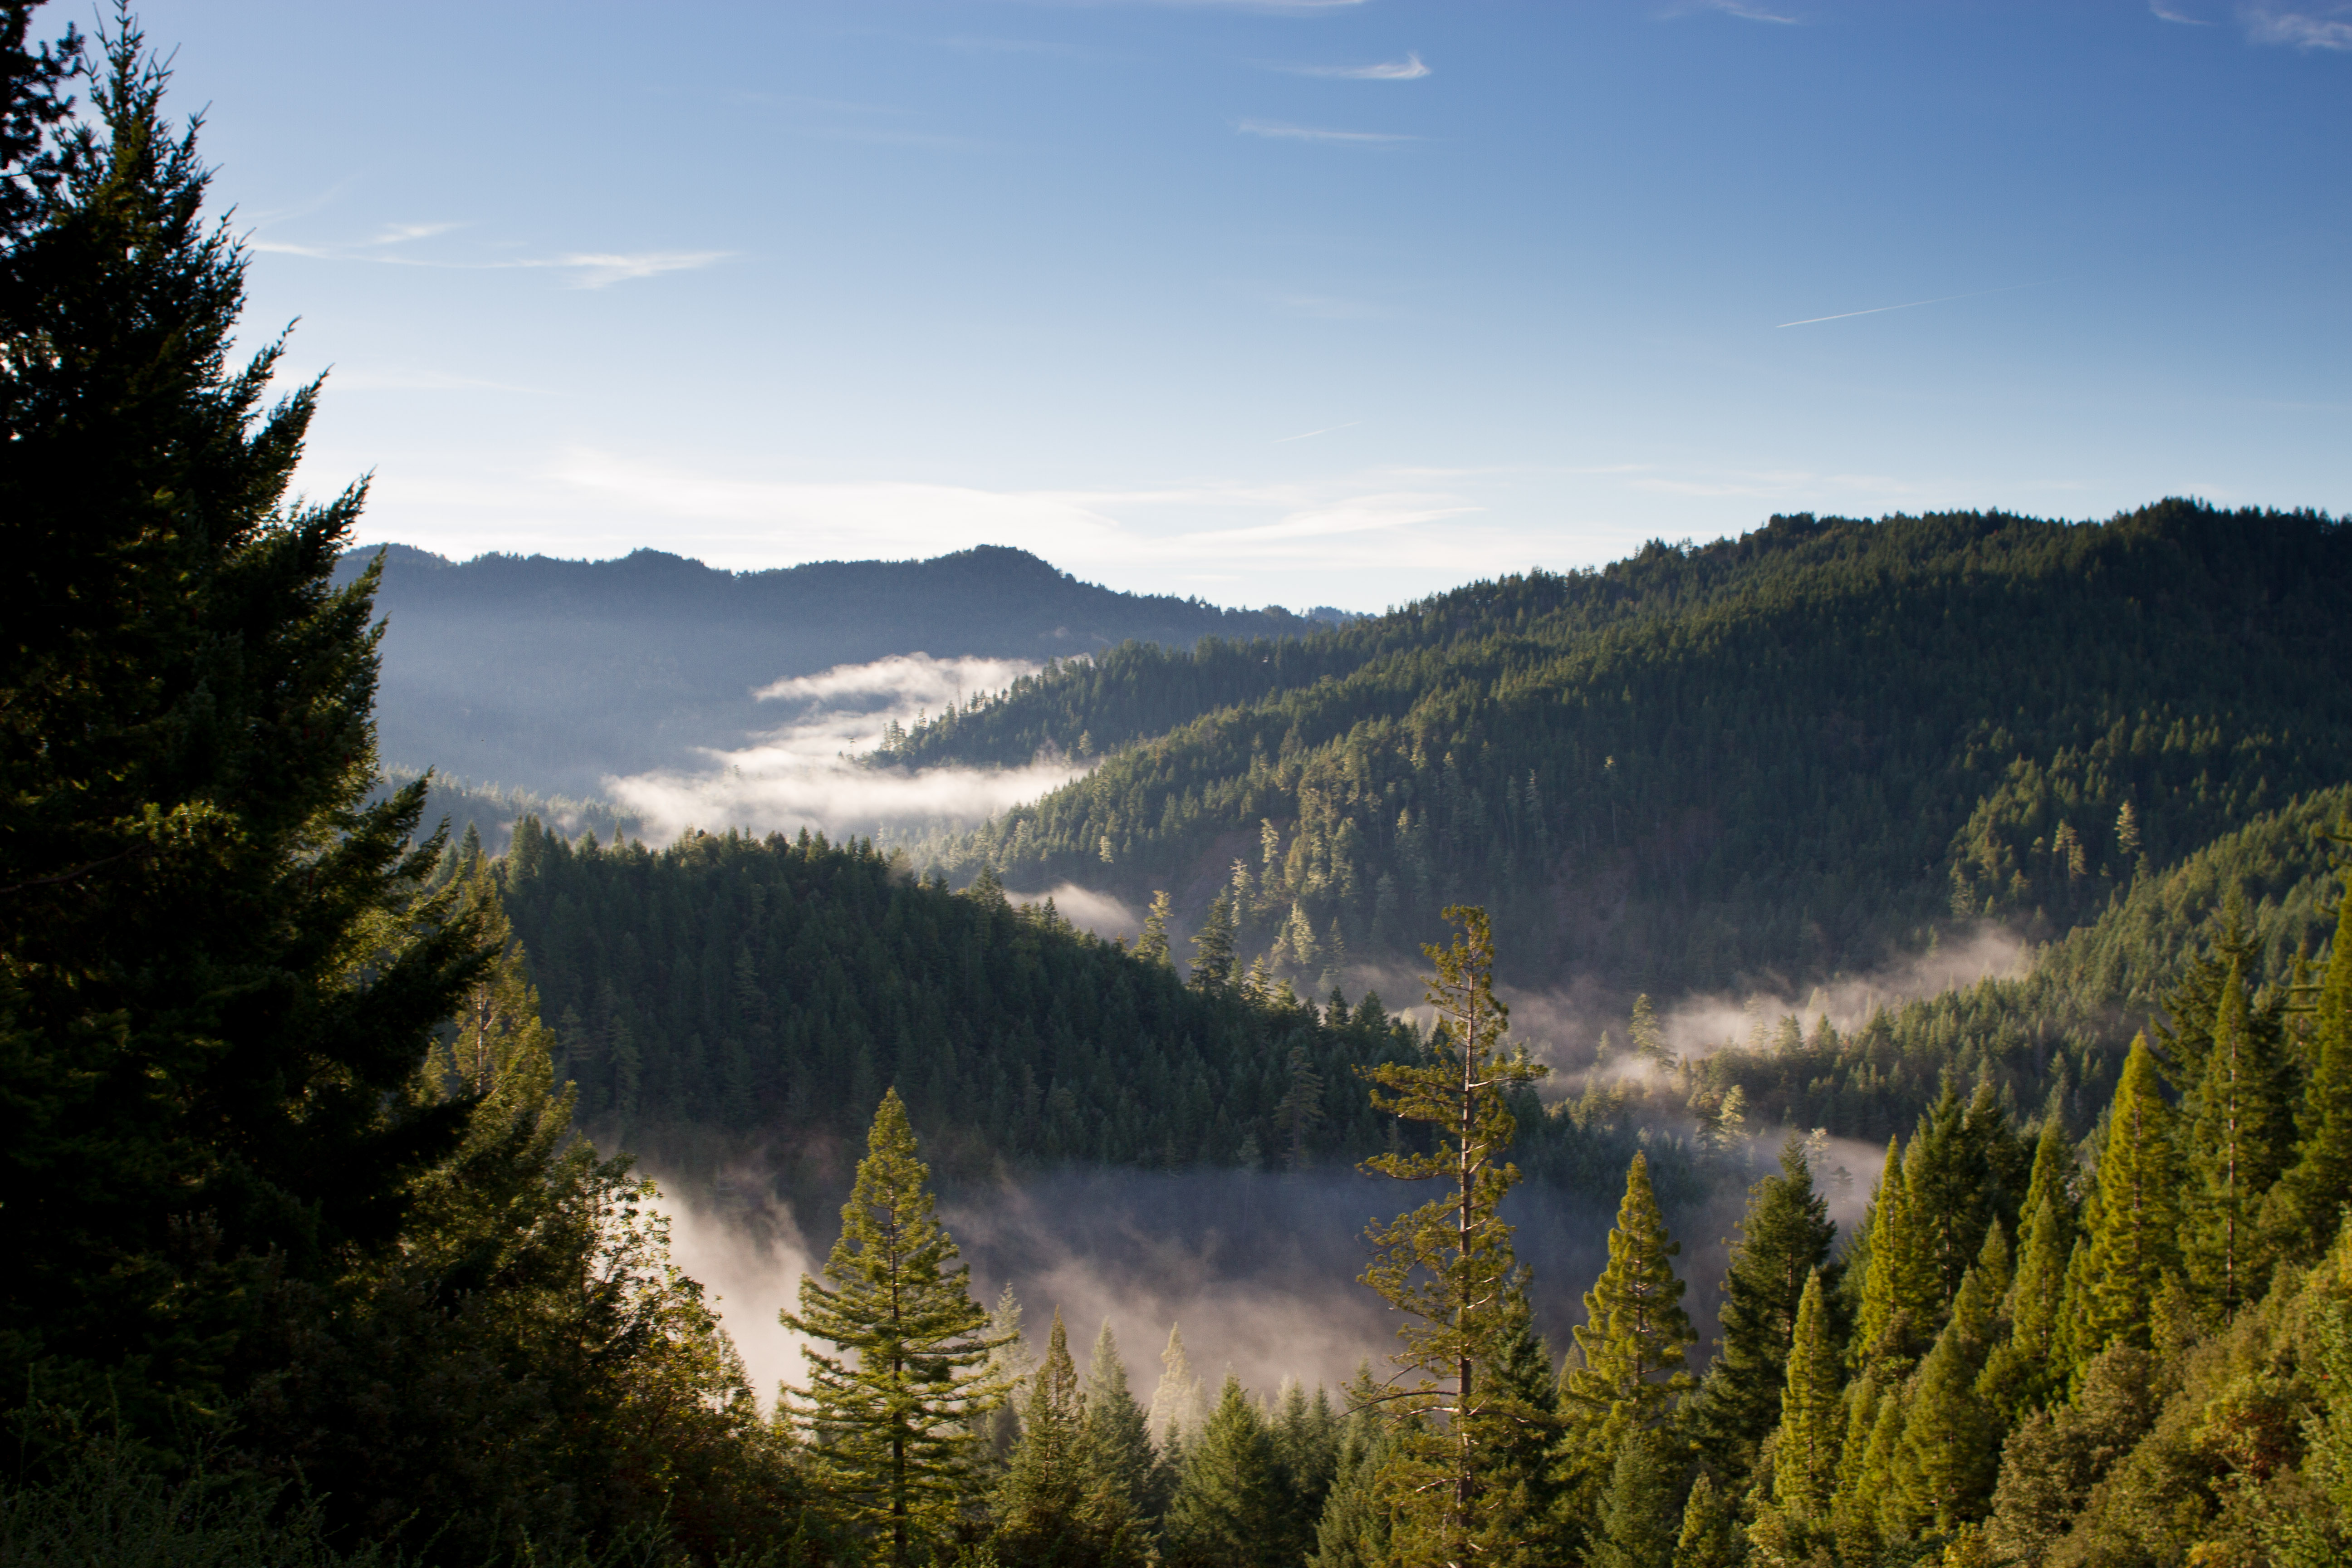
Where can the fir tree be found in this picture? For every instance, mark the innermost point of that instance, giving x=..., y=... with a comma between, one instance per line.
x=1176, y=1404
x=1805, y=1456
x=1212, y=946
x=218, y=966
x=1039, y=1503
x=2320, y=1181
x=1152, y=945
x=1306, y=1437
x=1115, y=1440
x=1641, y=1512
x=1447, y=1265
x=2133, y=1239
x=1353, y=1531
x=1628, y=1364
x=1865, y=1467
x=1710, y=1532
x=2030, y=1362
x=1951, y=1436
x=2236, y=1136
x=1783, y=1240
x=1899, y=1297
x=1227, y=1512
x=894, y=1429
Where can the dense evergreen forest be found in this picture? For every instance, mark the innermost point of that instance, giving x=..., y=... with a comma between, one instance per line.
x=1784, y=754
x=313, y=1265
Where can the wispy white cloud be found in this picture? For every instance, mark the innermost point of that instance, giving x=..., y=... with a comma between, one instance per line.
x=1276, y=131
x=1305, y=434
x=402, y=232
x=1409, y=68
x=1179, y=529
x=587, y=270
x=2164, y=13
x=596, y=269
x=1746, y=10
x=2327, y=26
x=1908, y=305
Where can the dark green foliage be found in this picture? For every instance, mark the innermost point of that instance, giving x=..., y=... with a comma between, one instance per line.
x=1785, y=752
x=2132, y=1228
x=1641, y=1512
x=1354, y=1530
x=2321, y=1179
x=1783, y=1240
x=216, y=966
x=744, y=982
x=891, y=1406
x=36, y=155
x=1228, y=1510
x=2228, y=1057
x=2054, y=1039
x=1115, y=1452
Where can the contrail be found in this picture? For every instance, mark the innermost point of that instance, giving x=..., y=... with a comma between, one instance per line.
x=1911, y=305
x=1325, y=431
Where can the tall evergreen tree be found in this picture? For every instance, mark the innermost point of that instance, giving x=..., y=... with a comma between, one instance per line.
x=1115, y=1440
x=217, y=965
x=1813, y=1419
x=1447, y=1265
x=895, y=1428
x=1039, y=1501
x=1899, y=1294
x=1212, y=946
x=2237, y=1135
x=1177, y=1408
x=2030, y=1362
x=1354, y=1528
x=1628, y=1366
x=1950, y=1450
x=2133, y=1229
x=1710, y=1531
x=2320, y=1181
x=1783, y=1240
x=1641, y=1512
x=1227, y=1512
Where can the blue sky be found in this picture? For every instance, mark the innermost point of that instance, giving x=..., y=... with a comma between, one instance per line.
x=1313, y=303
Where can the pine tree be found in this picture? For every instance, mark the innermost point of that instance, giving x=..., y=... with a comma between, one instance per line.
x=1805, y=1456
x=1784, y=1239
x=1899, y=1288
x=1227, y=1512
x=2320, y=1181
x=1040, y=1503
x=1353, y=1531
x=1710, y=1532
x=1628, y=1364
x=2135, y=1219
x=1212, y=946
x=1649, y=1039
x=1177, y=1408
x=1951, y=1437
x=894, y=1429
x=2236, y=1138
x=1864, y=1467
x=218, y=965
x=2030, y=1364
x=1306, y=1437
x=1115, y=1440
x=1008, y=1368
x=1152, y=945
x=1447, y=1265
x=1641, y=1512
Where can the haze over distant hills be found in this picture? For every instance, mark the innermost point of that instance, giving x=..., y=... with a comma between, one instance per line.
x=552, y=675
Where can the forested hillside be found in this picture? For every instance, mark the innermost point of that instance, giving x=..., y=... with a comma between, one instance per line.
x=1782, y=755
x=772, y=989
x=551, y=674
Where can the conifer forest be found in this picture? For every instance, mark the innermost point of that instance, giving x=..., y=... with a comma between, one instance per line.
x=349, y=1113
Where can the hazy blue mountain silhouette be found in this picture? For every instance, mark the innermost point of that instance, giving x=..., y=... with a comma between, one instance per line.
x=551, y=674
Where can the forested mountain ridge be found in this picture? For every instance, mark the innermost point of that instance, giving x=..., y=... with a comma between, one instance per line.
x=551, y=675
x=1778, y=755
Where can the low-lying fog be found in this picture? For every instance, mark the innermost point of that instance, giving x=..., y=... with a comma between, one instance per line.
x=804, y=772
x=1259, y=1270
